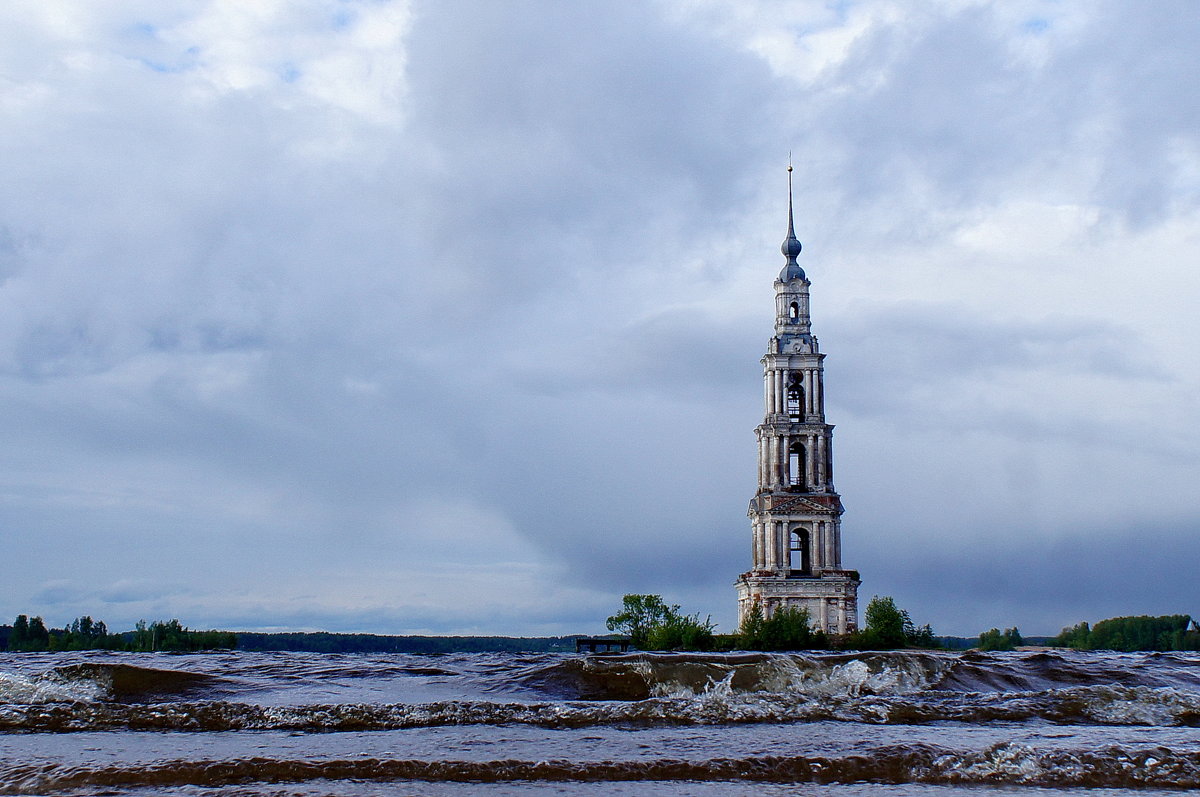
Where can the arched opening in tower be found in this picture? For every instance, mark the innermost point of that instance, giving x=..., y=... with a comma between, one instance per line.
x=799, y=545
x=795, y=468
x=795, y=399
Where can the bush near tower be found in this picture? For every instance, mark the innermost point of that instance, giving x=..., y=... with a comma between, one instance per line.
x=887, y=627
x=787, y=629
x=654, y=625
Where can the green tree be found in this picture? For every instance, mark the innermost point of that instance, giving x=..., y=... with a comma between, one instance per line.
x=652, y=624
x=750, y=635
x=1077, y=637
x=681, y=632
x=20, y=633
x=885, y=624
x=165, y=635
x=918, y=636
x=84, y=633
x=1138, y=633
x=788, y=628
x=141, y=639
x=38, y=637
x=1168, y=632
x=995, y=639
x=639, y=615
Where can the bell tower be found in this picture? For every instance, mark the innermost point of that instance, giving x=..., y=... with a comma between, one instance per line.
x=795, y=516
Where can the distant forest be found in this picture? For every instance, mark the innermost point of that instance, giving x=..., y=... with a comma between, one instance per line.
x=968, y=642
x=322, y=642
x=30, y=635
x=1170, y=632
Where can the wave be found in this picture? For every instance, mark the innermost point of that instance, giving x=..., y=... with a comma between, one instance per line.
x=97, y=681
x=985, y=672
x=1000, y=764
x=1090, y=705
x=641, y=676
x=639, y=690
x=22, y=689
x=630, y=677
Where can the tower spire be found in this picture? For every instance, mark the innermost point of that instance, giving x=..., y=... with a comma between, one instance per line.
x=791, y=245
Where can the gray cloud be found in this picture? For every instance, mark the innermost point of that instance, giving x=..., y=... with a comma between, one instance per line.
x=374, y=317
x=1087, y=574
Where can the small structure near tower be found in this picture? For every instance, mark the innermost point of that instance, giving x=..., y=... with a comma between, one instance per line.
x=796, y=535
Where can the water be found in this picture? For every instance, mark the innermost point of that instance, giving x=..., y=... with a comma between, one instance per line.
x=904, y=723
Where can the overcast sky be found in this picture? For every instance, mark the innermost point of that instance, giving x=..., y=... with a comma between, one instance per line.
x=404, y=317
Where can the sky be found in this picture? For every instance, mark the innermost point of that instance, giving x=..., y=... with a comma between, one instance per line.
x=404, y=316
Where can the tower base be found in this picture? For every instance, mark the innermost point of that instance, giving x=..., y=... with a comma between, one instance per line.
x=831, y=597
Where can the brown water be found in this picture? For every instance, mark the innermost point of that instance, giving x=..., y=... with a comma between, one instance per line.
x=499, y=724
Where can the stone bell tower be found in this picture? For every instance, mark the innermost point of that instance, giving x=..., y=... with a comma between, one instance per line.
x=796, y=535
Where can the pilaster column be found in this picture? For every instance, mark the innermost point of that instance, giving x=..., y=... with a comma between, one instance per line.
x=780, y=401
x=818, y=393
x=758, y=454
x=821, y=448
x=762, y=475
x=809, y=471
x=781, y=539
x=765, y=448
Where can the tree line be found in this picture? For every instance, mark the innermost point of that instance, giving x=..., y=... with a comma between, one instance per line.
x=1167, y=632
x=30, y=634
x=325, y=642
x=653, y=624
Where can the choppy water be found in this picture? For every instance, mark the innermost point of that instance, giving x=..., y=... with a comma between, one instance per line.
x=904, y=723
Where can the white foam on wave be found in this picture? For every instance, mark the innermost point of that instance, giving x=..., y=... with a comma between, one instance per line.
x=1138, y=705
x=18, y=689
x=816, y=678
x=1003, y=763
x=854, y=678
x=794, y=676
